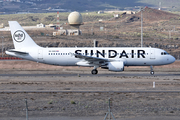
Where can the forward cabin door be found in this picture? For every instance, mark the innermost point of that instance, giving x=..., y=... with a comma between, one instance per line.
x=152, y=54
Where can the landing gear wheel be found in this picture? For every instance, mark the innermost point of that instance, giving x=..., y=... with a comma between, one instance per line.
x=94, y=71
x=152, y=72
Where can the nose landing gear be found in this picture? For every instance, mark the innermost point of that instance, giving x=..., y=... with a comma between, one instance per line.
x=152, y=72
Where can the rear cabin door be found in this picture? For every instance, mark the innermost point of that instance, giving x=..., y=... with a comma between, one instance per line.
x=40, y=55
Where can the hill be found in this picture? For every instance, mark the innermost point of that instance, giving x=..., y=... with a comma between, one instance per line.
x=43, y=6
x=151, y=15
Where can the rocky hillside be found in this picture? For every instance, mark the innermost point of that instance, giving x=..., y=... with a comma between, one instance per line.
x=43, y=6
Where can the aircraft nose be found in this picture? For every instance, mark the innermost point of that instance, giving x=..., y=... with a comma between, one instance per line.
x=172, y=59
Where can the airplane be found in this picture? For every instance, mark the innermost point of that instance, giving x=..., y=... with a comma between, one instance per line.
x=111, y=58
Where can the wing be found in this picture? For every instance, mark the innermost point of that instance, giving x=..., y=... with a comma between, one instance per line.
x=91, y=59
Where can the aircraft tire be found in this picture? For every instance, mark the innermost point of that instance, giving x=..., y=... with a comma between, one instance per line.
x=94, y=71
x=152, y=72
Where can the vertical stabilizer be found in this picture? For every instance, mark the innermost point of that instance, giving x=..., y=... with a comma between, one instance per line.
x=20, y=37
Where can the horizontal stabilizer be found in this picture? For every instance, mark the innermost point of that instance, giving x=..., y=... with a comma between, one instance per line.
x=17, y=51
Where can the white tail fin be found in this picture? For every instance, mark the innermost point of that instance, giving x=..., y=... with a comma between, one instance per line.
x=20, y=38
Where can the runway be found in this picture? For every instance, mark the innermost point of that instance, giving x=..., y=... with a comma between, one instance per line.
x=86, y=91
x=90, y=75
x=125, y=82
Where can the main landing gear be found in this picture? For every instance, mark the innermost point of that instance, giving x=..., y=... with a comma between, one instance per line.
x=94, y=71
x=152, y=72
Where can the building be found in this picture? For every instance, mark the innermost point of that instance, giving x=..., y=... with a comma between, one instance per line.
x=1, y=25
x=75, y=21
x=67, y=32
x=100, y=12
x=40, y=25
x=116, y=15
x=74, y=32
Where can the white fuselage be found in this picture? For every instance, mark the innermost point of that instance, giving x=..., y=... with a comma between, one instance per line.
x=129, y=55
x=111, y=58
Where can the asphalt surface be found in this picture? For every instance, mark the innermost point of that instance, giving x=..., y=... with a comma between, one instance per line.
x=90, y=75
x=88, y=91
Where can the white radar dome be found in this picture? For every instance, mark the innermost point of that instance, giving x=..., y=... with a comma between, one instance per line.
x=75, y=18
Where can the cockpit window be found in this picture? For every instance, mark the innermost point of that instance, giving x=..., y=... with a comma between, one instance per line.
x=164, y=53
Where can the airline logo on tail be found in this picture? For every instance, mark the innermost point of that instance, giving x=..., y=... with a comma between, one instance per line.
x=19, y=36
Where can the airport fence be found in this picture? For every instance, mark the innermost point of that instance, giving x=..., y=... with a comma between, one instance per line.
x=89, y=104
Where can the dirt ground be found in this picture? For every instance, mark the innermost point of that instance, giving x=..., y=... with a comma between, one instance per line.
x=88, y=105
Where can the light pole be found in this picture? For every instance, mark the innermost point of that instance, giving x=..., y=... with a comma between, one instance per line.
x=142, y=26
x=2, y=37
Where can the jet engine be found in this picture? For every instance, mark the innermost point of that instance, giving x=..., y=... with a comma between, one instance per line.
x=116, y=66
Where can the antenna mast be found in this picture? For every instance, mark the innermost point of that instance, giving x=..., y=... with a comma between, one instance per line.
x=58, y=20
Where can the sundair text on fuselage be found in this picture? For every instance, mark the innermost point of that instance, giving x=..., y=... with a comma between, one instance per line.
x=112, y=53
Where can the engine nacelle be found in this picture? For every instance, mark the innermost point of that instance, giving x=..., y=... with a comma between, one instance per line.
x=116, y=66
